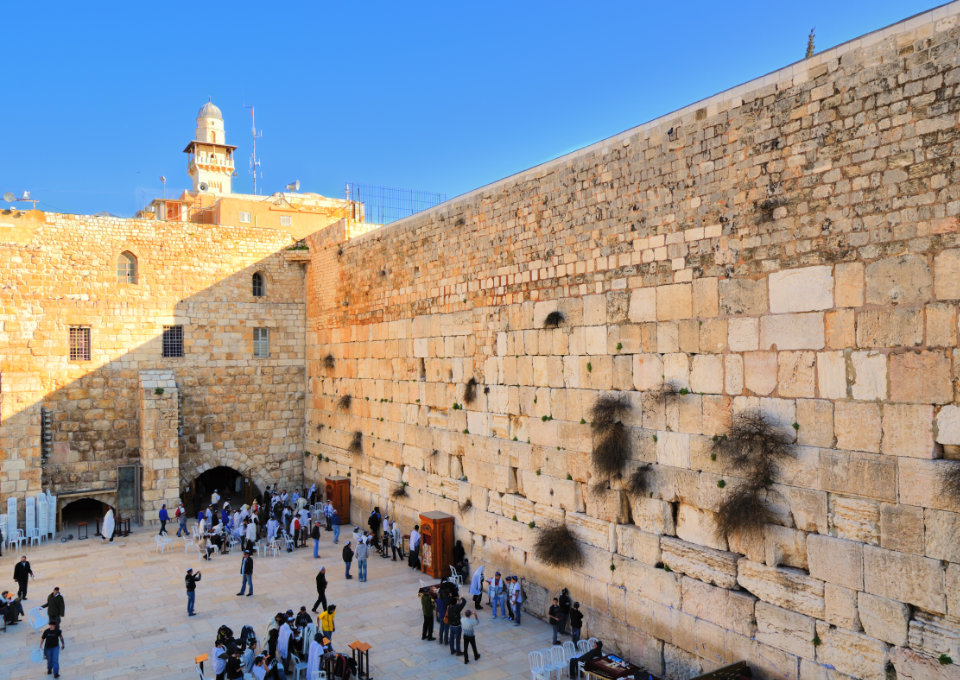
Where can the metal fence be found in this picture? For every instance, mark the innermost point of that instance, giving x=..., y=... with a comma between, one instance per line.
x=389, y=204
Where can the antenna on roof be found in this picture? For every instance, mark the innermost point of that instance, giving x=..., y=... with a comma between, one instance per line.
x=254, y=161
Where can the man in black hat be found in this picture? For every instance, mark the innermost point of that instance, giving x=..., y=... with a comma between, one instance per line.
x=21, y=574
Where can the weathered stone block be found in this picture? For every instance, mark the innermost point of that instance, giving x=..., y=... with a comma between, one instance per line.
x=705, y=297
x=921, y=377
x=732, y=610
x=852, y=653
x=849, y=284
x=743, y=334
x=705, y=564
x=785, y=630
x=743, y=297
x=909, y=665
x=792, y=331
x=906, y=578
x=941, y=532
x=795, y=376
x=674, y=301
x=733, y=374
x=890, y=327
x=784, y=587
x=760, y=372
x=948, y=425
x=857, y=425
x=785, y=547
x=801, y=290
x=637, y=544
x=884, y=619
x=869, y=375
x=699, y=526
x=908, y=430
x=901, y=528
x=643, y=305
x=815, y=417
x=946, y=266
x=901, y=280
x=857, y=519
x=840, y=607
x=835, y=561
x=934, y=635
x=859, y=474
x=832, y=375
x=706, y=374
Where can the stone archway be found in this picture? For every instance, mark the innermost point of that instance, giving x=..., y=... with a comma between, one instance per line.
x=192, y=468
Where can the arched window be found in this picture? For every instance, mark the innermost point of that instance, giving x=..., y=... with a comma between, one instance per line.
x=127, y=267
x=258, y=290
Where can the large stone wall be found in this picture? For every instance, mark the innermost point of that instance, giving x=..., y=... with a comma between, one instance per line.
x=233, y=409
x=790, y=246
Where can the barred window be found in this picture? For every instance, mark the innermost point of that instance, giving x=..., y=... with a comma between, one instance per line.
x=285, y=220
x=244, y=217
x=261, y=342
x=173, y=341
x=127, y=268
x=258, y=285
x=79, y=343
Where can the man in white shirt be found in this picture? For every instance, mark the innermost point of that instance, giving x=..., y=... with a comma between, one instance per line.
x=414, y=560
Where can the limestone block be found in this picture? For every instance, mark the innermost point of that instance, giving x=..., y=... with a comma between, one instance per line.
x=908, y=430
x=832, y=375
x=643, y=305
x=653, y=515
x=713, y=335
x=808, y=508
x=699, y=526
x=906, y=578
x=857, y=426
x=920, y=483
x=785, y=630
x=948, y=425
x=953, y=590
x=887, y=327
x=910, y=665
x=729, y=609
x=801, y=290
x=946, y=266
x=647, y=371
x=674, y=301
x=934, y=635
x=609, y=505
x=861, y=474
x=884, y=619
x=743, y=334
x=941, y=530
x=673, y=448
x=643, y=546
x=857, y=519
x=784, y=546
x=921, y=377
x=792, y=331
x=900, y=280
x=869, y=375
x=733, y=374
x=941, y=325
x=705, y=297
x=840, y=328
x=591, y=530
x=795, y=376
x=836, y=561
x=782, y=586
x=594, y=310
x=815, y=417
x=848, y=291
x=705, y=564
x=706, y=374
x=667, y=338
x=840, y=607
x=760, y=372
x=901, y=528
x=743, y=297
x=852, y=653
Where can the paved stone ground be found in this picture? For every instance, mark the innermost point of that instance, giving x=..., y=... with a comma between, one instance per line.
x=126, y=612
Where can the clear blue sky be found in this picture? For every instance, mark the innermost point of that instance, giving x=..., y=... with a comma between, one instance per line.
x=99, y=99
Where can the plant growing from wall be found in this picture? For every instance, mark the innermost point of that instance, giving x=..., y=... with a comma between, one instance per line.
x=343, y=403
x=356, y=444
x=470, y=391
x=329, y=362
x=557, y=546
x=950, y=481
x=399, y=491
x=611, y=440
x=554, y=319
x=755, y=448
x=638, y=482
x=466, y=505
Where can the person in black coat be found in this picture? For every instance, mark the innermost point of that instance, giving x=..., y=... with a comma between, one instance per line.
x=586, y=656
x=21, y=574
x=321, y=590
x=348, y=557
x=576, y=622
x=55, y=606
x=246, y=572
x=564, y=603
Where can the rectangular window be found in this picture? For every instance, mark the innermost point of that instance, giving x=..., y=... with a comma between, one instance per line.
x=261, y=342
x=285, y=220
x=79, y=343
x=244, y=217
x=173, y=341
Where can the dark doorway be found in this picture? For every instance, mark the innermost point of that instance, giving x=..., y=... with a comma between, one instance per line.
x=88, y=510
x=229, y=483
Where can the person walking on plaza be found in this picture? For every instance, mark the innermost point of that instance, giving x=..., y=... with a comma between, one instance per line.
x=321, y=590
x=181, y=515
x=55, y=606
x=396, y=544
x=328, y=515
x=51, y=640
x=426, y=604
x=469, y=623
x=497, y=592
x=363, y=552
x=453, y=618
x=576, y=622
x=246, y=570
x=335, y=522
x=326, y=621
x=315, y=535
x=21, y=574
x=553, y=616
x=476, y=588
x=164, y=518
x=191, y=582
x=348, y=558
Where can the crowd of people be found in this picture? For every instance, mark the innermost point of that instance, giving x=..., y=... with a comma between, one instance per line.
x=11, y=609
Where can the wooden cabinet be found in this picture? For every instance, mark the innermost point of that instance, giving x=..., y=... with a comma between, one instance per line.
x=338, y=493
x=436, y=543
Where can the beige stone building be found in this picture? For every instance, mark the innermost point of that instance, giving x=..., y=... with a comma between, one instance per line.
x=789, y=248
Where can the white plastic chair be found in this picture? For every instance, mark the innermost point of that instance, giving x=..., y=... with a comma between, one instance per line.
x=455, y=576
x=19, y=539
x=188, y=542
x=538, y=670
x=274, y=548
x=569, y=651
x=557, y=662
x=582, y=647
x=309, y=631
x=162, y=542
x=298, y=666
x=33, y=537
x=38, y=618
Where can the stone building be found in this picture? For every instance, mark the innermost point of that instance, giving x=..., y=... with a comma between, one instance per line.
x=788, y=248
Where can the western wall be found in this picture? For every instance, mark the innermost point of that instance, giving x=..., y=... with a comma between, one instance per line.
x=789, y=247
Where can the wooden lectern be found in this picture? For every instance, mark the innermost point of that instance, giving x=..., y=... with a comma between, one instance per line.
x=338, y=493
x=436, y=543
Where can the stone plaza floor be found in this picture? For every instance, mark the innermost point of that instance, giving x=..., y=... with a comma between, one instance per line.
x=126, y=611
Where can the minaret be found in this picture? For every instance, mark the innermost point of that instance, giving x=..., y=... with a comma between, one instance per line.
x=210, y=160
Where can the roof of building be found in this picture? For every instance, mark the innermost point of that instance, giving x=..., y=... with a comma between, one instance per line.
x=210, y=110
